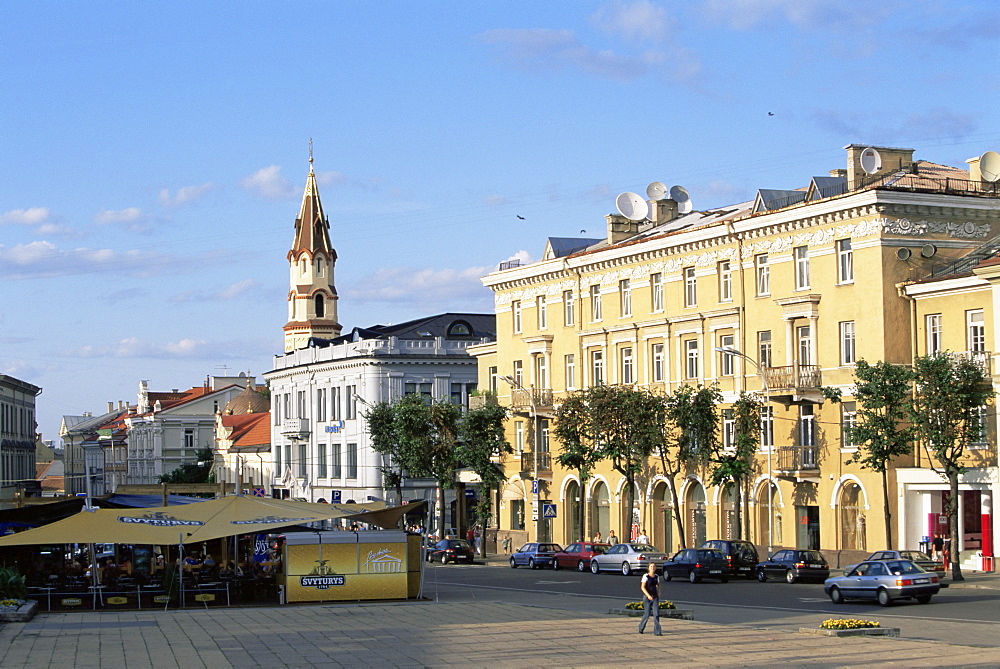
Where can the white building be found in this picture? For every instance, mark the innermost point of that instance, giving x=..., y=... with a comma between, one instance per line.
x=170, y=428
x=322, y=383
x=17, y=433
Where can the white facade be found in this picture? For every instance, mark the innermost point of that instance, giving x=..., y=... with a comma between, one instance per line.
x=17, y=431
x=320, y=444
x=163, y=439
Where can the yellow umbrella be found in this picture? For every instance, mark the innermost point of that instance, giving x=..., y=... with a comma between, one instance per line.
x=199, y=521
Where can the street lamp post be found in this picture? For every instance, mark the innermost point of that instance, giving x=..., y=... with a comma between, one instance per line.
x=535, y=485
x=770, y=445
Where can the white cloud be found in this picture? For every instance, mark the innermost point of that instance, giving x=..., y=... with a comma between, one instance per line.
x=45, y=259
x=185, y=348
x=912, y=127
x=38, y=218
x=32, y=216
x=428, y=289
x=268, y=183
x=232, y=292
x=807, y=14
x=331, y=178
x=185, y=195
x=131, y=219
x=646, y=46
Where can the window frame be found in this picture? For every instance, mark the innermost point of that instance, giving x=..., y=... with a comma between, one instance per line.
x=625, y=297
x=725, y=281
x=845, y=261
x=934, y=332
x=690, y=287
x=569, y=365
x=596, y=312
x=800, y=255
x=975, y=331
x=762, y=274
x=727, y=366
x=516, y=323
x=658, y=359
x=569, y=308
x=656, y=292
x=627, y=361
x=691, y=355
x=542, y=313
x=848, y=343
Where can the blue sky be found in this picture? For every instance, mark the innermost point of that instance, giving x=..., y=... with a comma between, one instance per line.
x=153, y=155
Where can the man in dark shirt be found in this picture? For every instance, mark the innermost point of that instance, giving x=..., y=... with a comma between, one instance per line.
x=650, y=587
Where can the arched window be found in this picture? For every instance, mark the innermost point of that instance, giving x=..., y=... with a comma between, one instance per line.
x=852, y=518
x=320, y=306
x=302, y=267
x=459, y=329
x=319, y=267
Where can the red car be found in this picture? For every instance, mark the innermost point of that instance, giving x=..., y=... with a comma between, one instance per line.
x=578, y=555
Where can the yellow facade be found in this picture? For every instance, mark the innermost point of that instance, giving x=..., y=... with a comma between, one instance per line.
x=803, y=290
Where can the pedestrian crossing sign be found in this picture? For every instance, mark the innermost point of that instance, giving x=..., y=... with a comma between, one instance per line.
x=548, y=510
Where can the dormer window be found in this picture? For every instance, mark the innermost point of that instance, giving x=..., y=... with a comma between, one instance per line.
x=459, y=329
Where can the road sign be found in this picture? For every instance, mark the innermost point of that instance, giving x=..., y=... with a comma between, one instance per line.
x=548, y=510
x=335, y=496
x=534, y=487
x=259, y=492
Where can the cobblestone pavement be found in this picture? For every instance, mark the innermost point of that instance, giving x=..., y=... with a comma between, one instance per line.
x=418, y=634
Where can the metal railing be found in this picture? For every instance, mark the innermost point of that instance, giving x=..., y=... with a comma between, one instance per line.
x=793, y=376
x=797, y=458
x=544, y=462
x=983, y=359
x=524, y=398
x=509, y=264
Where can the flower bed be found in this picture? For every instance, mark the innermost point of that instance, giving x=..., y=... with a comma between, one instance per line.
x=667, y=610
x=850, y=627
x=17, y=610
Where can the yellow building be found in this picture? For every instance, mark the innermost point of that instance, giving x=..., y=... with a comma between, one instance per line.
x=802, y=282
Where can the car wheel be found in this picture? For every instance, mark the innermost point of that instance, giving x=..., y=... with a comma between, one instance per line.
x=531, y=563
x=555, y=565
x=835, y=595
x=924, y=599
x=693, y=577
x=790, y=576
x=581, y=566
x=724, y=579
x=444, y=559
x=883, y=598
x=626, y=569
x=513, y=564
x=761, y=576
x=594, y=567
x=666, y=575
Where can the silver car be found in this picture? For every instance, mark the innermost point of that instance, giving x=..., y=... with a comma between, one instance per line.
x=886, y=581
x=626, y=558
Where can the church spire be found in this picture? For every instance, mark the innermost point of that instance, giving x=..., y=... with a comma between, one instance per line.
x=312, y=297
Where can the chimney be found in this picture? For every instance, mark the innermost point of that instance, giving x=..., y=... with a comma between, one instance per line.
x=893, y=160
x=663, y=210
x=620, y=228
x=975, y=170
x=111, y=407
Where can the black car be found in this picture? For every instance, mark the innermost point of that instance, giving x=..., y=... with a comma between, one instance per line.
x=741, y=556
x=695, y=564
x=451, y=550
x=794, y=565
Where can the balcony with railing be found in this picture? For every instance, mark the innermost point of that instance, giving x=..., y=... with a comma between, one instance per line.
x=295, y=428
x=528, y=399
x=544, y=463
x=983, y=359
x=480, y=401
x=794, y=384
x=798, y=461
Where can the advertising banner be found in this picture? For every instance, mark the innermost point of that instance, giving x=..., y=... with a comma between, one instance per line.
x=351, y=566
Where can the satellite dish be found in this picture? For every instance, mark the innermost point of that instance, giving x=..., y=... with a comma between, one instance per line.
x=871, y=161
x=656, y=190
x=680, y=195
x=989, y=166
x=632, y=206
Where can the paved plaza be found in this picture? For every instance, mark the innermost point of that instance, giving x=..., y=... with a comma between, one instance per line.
x=435, y=634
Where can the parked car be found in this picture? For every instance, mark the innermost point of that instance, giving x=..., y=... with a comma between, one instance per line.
x=741, y=555
x=695, y=564
x=794, y=565
x=451, y=550
x=626, y=558
x=916, y=557
x=578, y=555
x=885, y=581
x=534, y=555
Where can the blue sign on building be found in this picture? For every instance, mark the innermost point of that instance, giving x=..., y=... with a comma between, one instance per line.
x=335, y=496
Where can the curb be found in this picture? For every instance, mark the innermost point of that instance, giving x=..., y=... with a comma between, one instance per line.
x=864, y=631
x=680, y=614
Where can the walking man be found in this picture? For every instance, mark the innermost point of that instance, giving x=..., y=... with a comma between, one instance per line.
x=650, y=587
x=612, y=539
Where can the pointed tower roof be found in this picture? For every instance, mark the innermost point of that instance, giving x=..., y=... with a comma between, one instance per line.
x=312, y=230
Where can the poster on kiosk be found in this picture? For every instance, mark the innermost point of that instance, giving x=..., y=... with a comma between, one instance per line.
x=341, y=566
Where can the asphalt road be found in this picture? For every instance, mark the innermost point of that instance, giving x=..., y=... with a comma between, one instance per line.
x=961, y=616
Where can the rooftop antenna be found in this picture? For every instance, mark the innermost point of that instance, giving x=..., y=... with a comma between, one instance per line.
x=656, y=190
x=310, y=155
x=632, y=206
x=680, y=195
x=871, y=160
x=989, y=166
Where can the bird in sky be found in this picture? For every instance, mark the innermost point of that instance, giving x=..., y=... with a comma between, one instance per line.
x=519, y=216
x=770, y=113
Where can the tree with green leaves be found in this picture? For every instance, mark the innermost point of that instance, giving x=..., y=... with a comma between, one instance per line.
x=625, y=424
x=733, y=462
x=577, y=450
x=882, y=432
x=193, y=472
x=422, y=437
x=381, y=419
x=951, y=392
x=688, y=436
x=482, y=444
